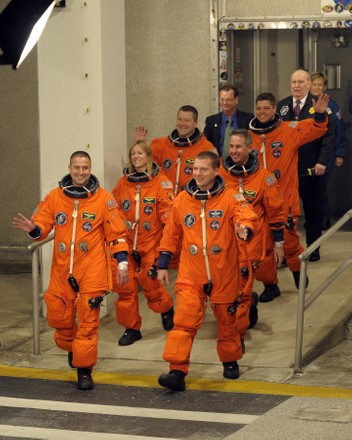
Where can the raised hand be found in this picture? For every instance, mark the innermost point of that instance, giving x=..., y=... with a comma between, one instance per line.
x=21, y=222
x=321, y=103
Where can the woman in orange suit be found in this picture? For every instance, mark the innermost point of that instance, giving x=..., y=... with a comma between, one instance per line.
x=144, y=195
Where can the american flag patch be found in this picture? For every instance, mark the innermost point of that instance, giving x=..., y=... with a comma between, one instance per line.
x=166, y=184
x=271, y=180
x=112, y=204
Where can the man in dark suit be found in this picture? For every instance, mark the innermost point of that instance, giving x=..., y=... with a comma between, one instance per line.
x=215, y=125
x=311, y=156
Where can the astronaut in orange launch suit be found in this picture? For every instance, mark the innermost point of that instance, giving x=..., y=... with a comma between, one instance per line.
x=278, y=142
x=175, y=153
x=88, y=226
x=206, y=221
x=242, y=171
x=145, y=195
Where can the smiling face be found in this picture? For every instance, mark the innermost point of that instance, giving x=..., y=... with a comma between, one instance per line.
x=185, y=123
x=228, y=102
x=239, y=150
x=80, y=170
x=139, y=158
x=265, y=111
x=300, y=84
x=204, y=174
x=317, y=87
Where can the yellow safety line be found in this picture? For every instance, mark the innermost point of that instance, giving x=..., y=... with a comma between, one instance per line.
x=220, y=385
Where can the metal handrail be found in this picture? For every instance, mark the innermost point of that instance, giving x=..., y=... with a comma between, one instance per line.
x=34, y=248
x=302, y=303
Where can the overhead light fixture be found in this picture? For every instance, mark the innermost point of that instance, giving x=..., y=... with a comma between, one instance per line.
x=21, y=25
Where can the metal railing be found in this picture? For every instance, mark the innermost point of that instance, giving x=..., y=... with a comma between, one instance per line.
x=303, y=304
x=37, y=296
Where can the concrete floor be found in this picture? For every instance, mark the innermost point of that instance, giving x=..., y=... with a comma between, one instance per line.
x=270, y=346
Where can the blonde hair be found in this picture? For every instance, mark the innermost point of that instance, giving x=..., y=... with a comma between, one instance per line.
x=147, y=149
x=319, y=75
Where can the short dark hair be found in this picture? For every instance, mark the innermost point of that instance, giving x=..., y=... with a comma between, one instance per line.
x=80, y=153
x=245, y=133
x=266, y=96
x=214, y=158
x=228, y=87
x=190, y=109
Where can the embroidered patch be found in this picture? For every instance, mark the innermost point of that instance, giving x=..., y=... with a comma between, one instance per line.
x=166, y=184
x=215, y=214
x=188, y=170
x=189, y=220
x=88, y=216
x=271, y=180
x=87, y=226
x=239, y=197
x=215, y=225
x=112, y=204
x=126, y=205
x=149, y=200
x=277, y=144
x=292, y=124
x=189, y=161
x=167, y=164
x=60, y=218
x=148, y=210
x=276, y=153
x=284, y=110
x=249, y=194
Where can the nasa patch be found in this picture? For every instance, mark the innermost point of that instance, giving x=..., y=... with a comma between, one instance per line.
x=276, y=153
x=215, y=225
x=148, y=210
x=60, y=218
x=189, y=220
x=188, y=170
x=87, y=226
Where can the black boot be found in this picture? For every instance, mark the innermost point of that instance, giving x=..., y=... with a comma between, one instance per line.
x=174, y=379
x=253, y=311
x=167, y=319
x=130, y=337
x=231, y=370
x=85, y=381
x=296, y=276
x=270, y=292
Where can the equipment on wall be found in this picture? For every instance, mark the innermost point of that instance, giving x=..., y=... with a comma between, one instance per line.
x=21, y=25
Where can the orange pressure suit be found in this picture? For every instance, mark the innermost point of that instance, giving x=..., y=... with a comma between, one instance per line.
x=98, y=222
x=261, y=190
x=203, y=223
x=152, y=196
x=176, y=155
x=278, y=144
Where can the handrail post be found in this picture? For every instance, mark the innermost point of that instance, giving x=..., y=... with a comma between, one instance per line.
x=35, y=302
x=300, y=315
